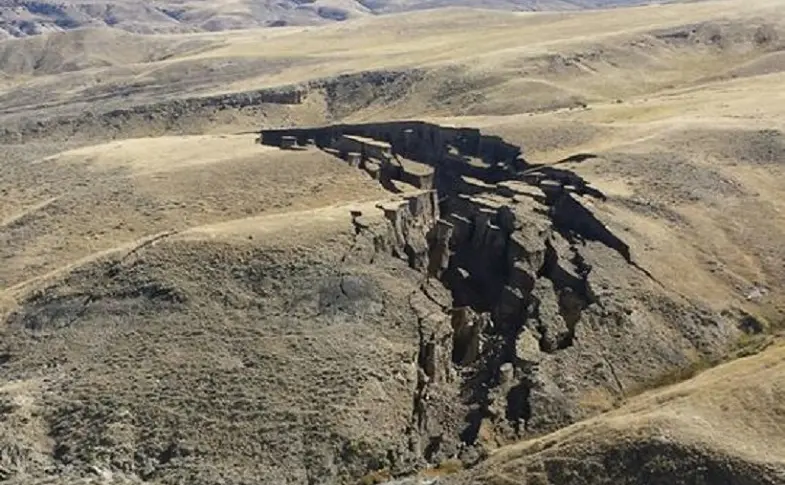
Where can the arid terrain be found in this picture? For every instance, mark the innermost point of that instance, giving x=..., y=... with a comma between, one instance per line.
x=22, y=18
x=182, y=301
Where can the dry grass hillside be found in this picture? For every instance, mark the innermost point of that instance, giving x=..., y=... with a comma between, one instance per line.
x=33, y=17
x=724, y=426
x=180, y=304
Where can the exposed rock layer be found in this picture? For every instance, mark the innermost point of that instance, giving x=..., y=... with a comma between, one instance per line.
x=538, y=318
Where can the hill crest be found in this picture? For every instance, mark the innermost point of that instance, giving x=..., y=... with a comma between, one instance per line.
x=22, y=18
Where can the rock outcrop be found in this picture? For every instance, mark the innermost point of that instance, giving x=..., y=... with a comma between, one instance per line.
x=525, y=332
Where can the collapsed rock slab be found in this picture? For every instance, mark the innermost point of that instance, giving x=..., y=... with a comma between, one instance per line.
x=354, y=159
x=288, y=142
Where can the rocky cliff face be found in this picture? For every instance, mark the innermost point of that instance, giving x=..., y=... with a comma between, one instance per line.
x=547, y=315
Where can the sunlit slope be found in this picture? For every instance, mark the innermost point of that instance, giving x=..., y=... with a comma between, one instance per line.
x=539, y=60
x=725, y=425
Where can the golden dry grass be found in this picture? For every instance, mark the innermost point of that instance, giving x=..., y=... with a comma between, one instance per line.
x=734, y=411
x=687, y=133
x=96, y=198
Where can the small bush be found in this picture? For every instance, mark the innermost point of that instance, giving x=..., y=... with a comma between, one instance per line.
x=453, y=465
x=375, y=477
x=446, y=467
x=7, y=405
x=752, y=325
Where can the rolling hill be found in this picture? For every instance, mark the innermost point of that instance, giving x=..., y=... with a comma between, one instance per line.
x=183, y=302
x=20, y=18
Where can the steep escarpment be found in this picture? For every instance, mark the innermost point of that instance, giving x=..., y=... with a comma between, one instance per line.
x=153, y=108
x=179, y=115
x=548, y=312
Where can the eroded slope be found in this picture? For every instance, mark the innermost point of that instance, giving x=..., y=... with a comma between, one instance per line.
x=226, y=352
x=724, y=426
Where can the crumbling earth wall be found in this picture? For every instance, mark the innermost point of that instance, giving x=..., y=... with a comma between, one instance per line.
x=548, y=312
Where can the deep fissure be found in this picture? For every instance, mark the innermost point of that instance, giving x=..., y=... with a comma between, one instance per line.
x=461, y=219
